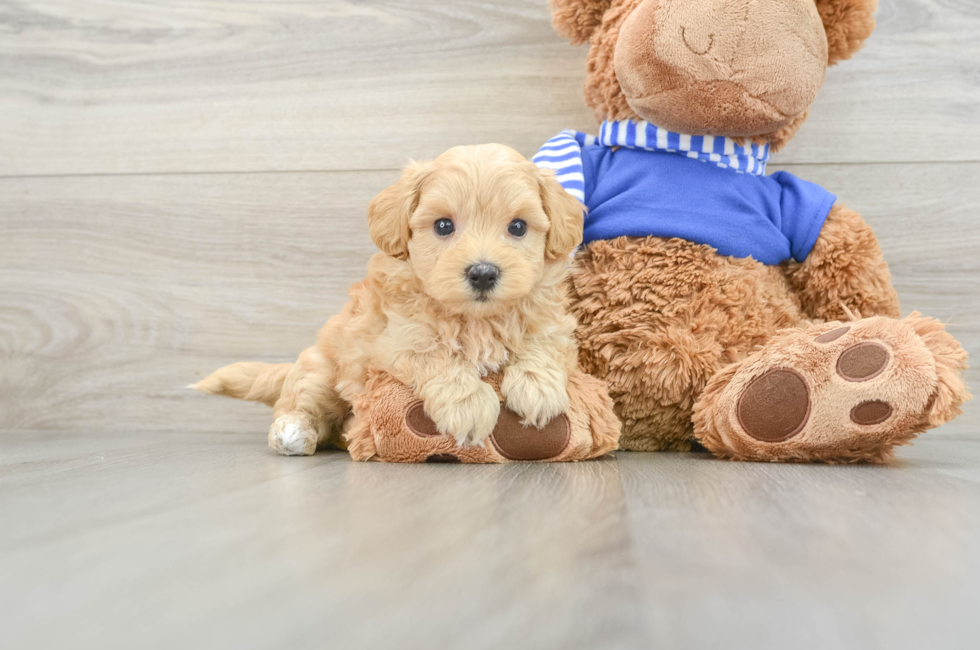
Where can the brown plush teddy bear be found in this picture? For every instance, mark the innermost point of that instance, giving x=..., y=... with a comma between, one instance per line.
x=392, y=426
x=720, y=304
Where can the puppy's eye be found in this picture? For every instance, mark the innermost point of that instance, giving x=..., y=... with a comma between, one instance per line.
x=444, y=227
x=517, y=227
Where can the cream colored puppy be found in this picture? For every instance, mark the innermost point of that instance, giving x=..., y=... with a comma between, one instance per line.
x=470, y=280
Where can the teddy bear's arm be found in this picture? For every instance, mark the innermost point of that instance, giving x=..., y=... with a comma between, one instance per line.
x=844, y=271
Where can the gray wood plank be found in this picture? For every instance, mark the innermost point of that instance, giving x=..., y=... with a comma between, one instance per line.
x=155, y=280
x=764, y=556
x=116, y=292
x=210, y=540
x=216, y=85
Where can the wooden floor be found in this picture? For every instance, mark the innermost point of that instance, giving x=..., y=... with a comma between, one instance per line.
x=209, y=540
x=184, y=184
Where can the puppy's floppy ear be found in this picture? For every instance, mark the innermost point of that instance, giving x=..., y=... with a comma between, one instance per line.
x=577, y=19
x=848, y=24
x=389, y=211
x=565, y=212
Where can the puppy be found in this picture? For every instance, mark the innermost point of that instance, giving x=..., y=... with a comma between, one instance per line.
x=470, y=280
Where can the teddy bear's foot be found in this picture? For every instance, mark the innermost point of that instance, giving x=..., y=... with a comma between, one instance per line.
x=836, y=392
x=389, y=424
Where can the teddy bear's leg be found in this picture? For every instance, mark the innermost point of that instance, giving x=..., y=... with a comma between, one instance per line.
x=835, y=392
x=389, y=424
x=844, y=272
x=657, y=318
x=308, y=409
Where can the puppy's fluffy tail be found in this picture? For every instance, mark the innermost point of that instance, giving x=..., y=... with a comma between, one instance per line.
x=249, y=380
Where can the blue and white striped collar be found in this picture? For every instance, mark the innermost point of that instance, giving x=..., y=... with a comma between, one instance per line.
x=724, y=152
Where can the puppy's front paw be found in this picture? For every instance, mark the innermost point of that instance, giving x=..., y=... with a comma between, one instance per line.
x=535, y=396
x=469, y=419
x=292, y=435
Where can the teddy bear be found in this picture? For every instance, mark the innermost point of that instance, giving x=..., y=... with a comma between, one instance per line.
x=751, y=314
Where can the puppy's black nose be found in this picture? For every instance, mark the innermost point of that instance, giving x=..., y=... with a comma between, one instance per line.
x=483, y=276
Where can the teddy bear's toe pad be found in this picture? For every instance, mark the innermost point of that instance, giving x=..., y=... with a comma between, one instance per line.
x=775, y=406
x=871, y=412
x=863, y=361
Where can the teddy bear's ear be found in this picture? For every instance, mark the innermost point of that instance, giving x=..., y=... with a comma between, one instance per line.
x=389, y=212
x=848, y=23
x=577, y=19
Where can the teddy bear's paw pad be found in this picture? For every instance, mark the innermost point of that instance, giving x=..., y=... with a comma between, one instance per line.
x=863, y=361
x=833, y=335
x=515, y=441
x=775, y=406
x=419, y=423
x=871, y=412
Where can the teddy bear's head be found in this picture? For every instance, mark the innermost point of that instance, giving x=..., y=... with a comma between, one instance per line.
x=741, y=68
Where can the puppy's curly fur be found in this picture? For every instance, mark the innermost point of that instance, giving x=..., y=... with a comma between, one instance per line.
x=417, y=315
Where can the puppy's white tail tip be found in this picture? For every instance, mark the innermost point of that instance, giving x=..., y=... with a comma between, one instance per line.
x=257, y=382
x=213, y=385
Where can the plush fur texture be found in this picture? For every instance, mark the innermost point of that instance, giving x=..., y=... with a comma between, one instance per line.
x=848, y=24
x=679, y=332
x=379, y=431
x=845, y=272
x=577, y=20
x=659, y=317
x=418, y=318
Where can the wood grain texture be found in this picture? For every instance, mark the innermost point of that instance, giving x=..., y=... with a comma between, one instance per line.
x=211, y=540
x=119, y=291
x=129, y=86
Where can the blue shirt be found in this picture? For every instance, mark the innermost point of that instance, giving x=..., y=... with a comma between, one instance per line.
x=639, y=192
